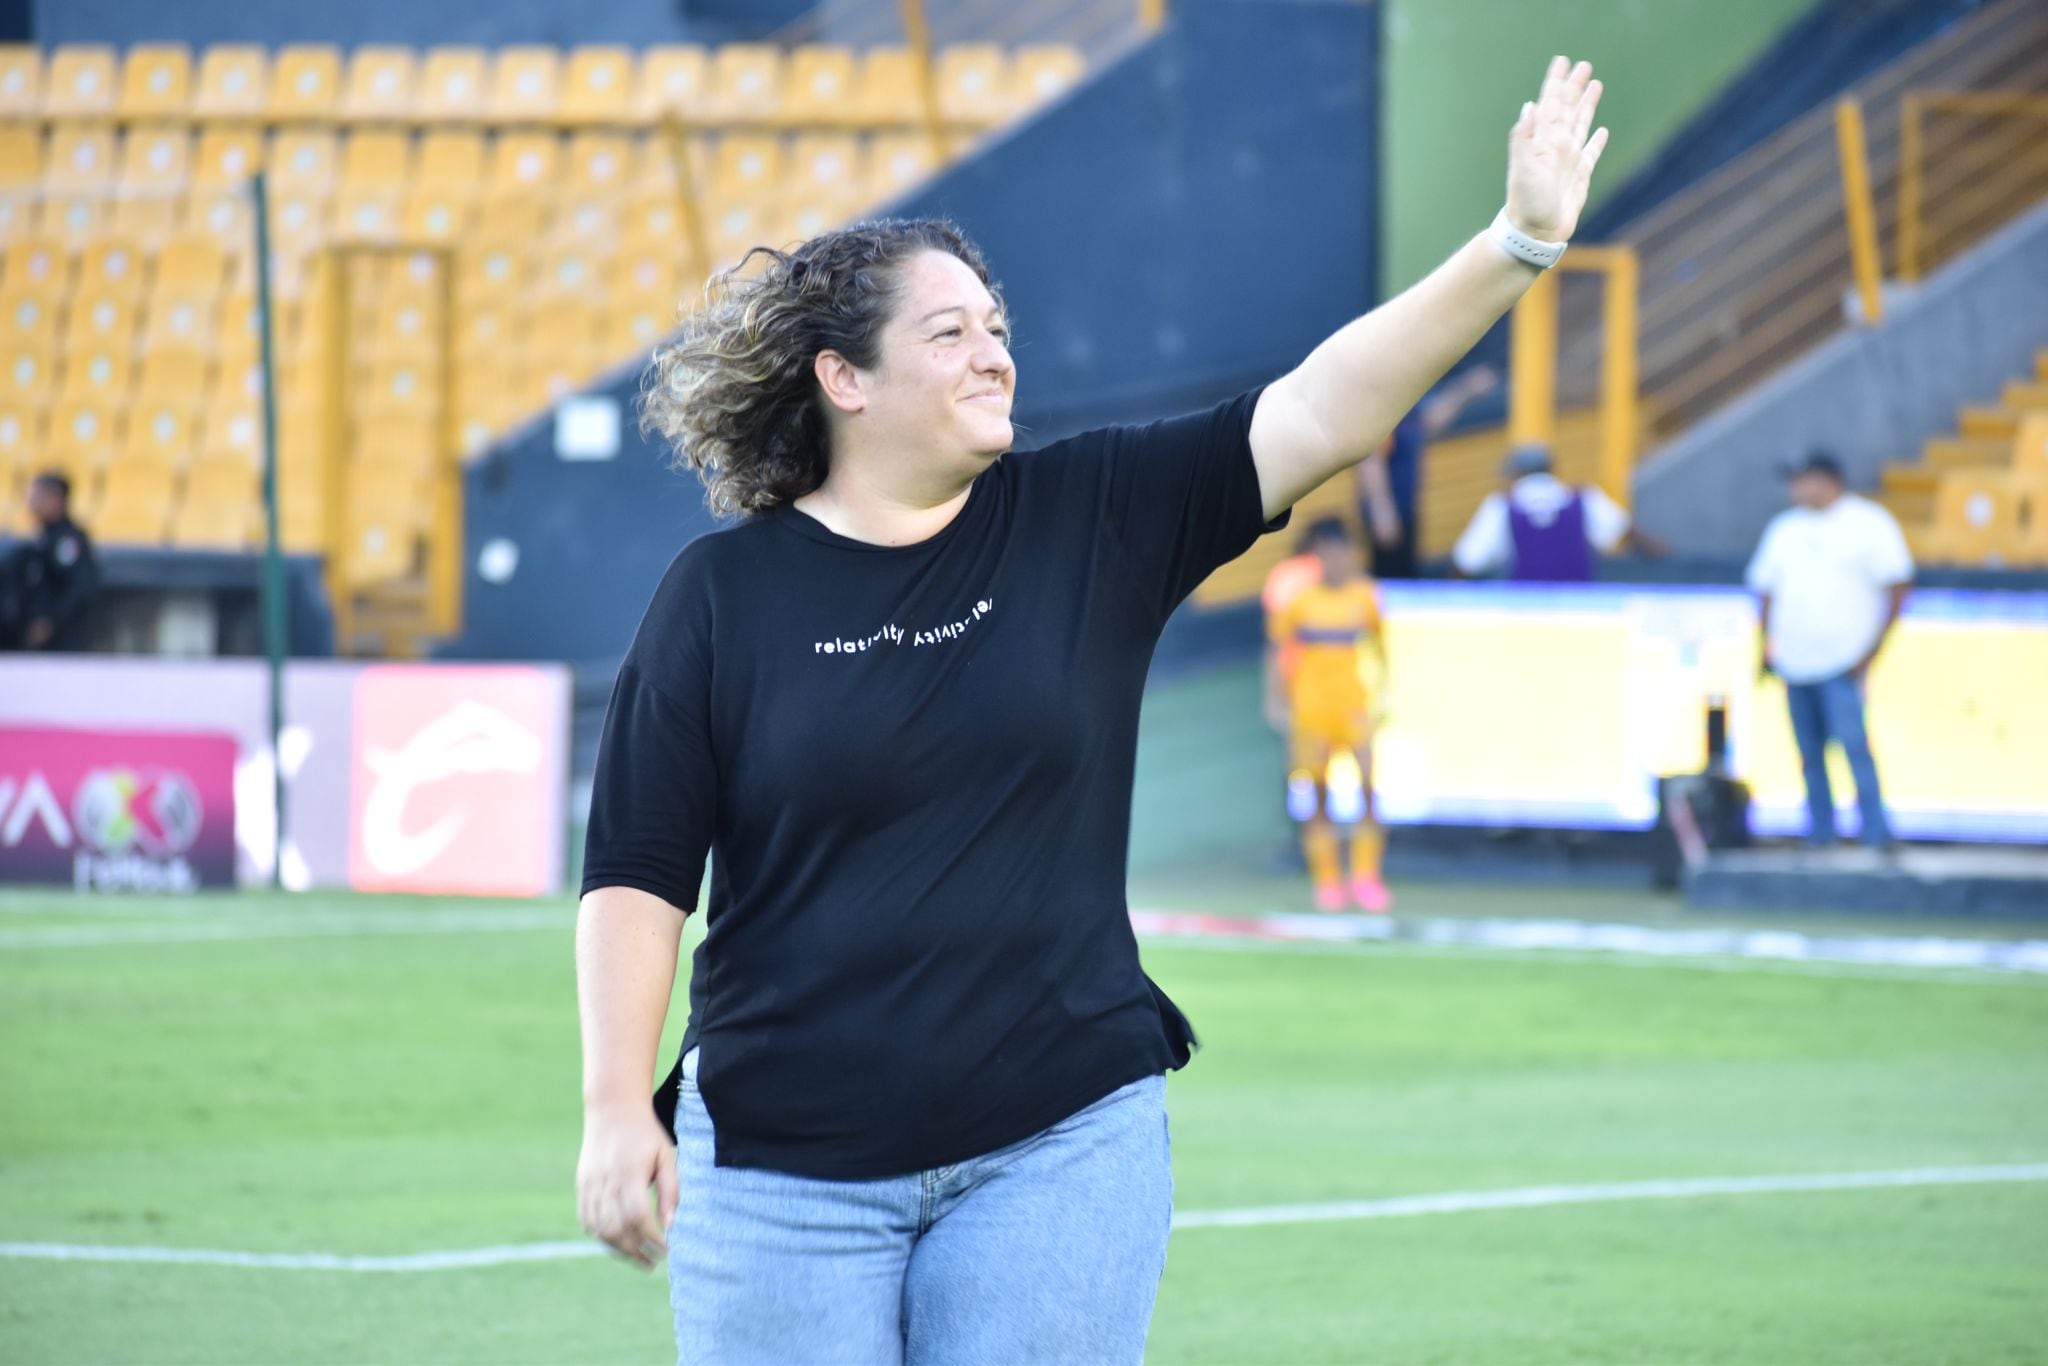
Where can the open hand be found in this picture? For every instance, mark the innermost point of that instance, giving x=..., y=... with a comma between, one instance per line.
x=1550, y=155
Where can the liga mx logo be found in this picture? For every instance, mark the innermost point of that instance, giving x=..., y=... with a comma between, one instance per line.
x=122, y=811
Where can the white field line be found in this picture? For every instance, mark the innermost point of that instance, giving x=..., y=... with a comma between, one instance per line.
x=1581, y=938
x=285, y=925
x=1403, y=1206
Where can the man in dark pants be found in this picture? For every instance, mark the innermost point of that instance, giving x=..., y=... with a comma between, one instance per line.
x=1831, y=576
x=48, y=584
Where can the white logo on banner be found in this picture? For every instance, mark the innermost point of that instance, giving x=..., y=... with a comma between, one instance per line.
x=37, y=801
x=470, y=739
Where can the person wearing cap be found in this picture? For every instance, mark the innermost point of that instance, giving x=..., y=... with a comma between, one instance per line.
x=1831, y=575
x=1540, y=529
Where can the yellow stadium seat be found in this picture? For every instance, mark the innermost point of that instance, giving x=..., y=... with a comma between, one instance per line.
x=403, y=385
x=746, y=166
x=174, y=379
x=452, y=85
x=21, y=80
x=597, y=87
x=156, y=82
x=887, y=94
x=201, y=524
x=973, y=85
x=36, y=264
x=84, y=434
x=135, y=504
x=655, y=220
x=438, y=213
x=163, y=433
x=674, y=80
x=897, y=162
x=298, y=222
x=829, y=165
x=484, y=332
x=21, y=439
x=80, y=83
x=304, y=163
x=2030, y=450
x=156, y=157
x=802, y=217
x=27, y=376
x=734, y=229
x=81, y=159
x=193, y=262
x=101, y=375
x=452, y=161
x=491, y=267
x=526, y=85
x=155, y=167
x=523, y=165
x=377, y=161
x=599, y=163
x=232, y=436
x=569, y=273
x=1977, y=515
x=73, y=219
x=112, y=266
x=99, y=319
x=746, y=83
x=1042, y=73
x=407, y=443
x=21, y=155
x=305, y=85
x=380, y=86
x=228, y=155
x=240, y=330
x=819, y=89
x=233, y=79
x=222, y=215
x=180, y=320
x=29, y=318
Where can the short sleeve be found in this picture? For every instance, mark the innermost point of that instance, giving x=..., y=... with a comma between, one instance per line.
x=1891, y=560
x=1280, y=624
x=1606, y=522
x=1763, y=572
x=1483, y=546
x=1182, y=496
x=653, y=796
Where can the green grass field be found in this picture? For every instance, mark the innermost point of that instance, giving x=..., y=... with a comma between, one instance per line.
x=401, y=1077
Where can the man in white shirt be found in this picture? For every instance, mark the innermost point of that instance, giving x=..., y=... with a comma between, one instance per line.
x=1832, y=573
x=1543, y=530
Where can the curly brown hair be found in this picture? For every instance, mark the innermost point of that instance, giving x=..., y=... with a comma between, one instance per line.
x=736, y=396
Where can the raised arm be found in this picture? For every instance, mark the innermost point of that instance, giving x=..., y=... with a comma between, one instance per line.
x=1334, y=409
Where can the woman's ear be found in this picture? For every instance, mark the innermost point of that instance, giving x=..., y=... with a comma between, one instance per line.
x=840, y=382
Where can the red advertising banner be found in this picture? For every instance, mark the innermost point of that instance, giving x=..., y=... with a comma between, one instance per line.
x=145, y=811
x=455, y=780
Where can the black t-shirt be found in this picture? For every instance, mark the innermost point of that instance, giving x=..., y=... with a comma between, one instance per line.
x=912, y=767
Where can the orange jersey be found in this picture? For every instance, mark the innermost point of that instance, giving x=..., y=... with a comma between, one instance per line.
x=1326, y=628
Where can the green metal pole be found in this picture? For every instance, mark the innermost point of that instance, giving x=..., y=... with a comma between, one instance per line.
x=273, y=555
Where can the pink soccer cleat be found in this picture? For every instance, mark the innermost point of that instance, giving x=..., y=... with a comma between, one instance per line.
x=1330, y=897
x=1371, y=895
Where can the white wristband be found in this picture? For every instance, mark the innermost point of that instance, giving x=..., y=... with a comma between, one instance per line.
x=1518, y=244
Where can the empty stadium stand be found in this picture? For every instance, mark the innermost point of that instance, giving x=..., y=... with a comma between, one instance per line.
x=1980, y=496
x=543, y=183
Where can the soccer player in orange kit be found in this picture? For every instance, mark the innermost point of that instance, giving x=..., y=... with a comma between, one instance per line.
x=1321, y=643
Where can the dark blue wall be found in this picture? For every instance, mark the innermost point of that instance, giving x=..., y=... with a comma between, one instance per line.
x=1191, y=221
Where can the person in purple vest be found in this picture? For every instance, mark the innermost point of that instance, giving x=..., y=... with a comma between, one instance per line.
x=1543, y=530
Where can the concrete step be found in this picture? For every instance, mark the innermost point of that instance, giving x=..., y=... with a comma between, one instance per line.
x=2001, y=424
x=1966, y=453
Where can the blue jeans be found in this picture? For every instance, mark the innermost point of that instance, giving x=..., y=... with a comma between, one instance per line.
x=1832, y=709
x=1048, y=1250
